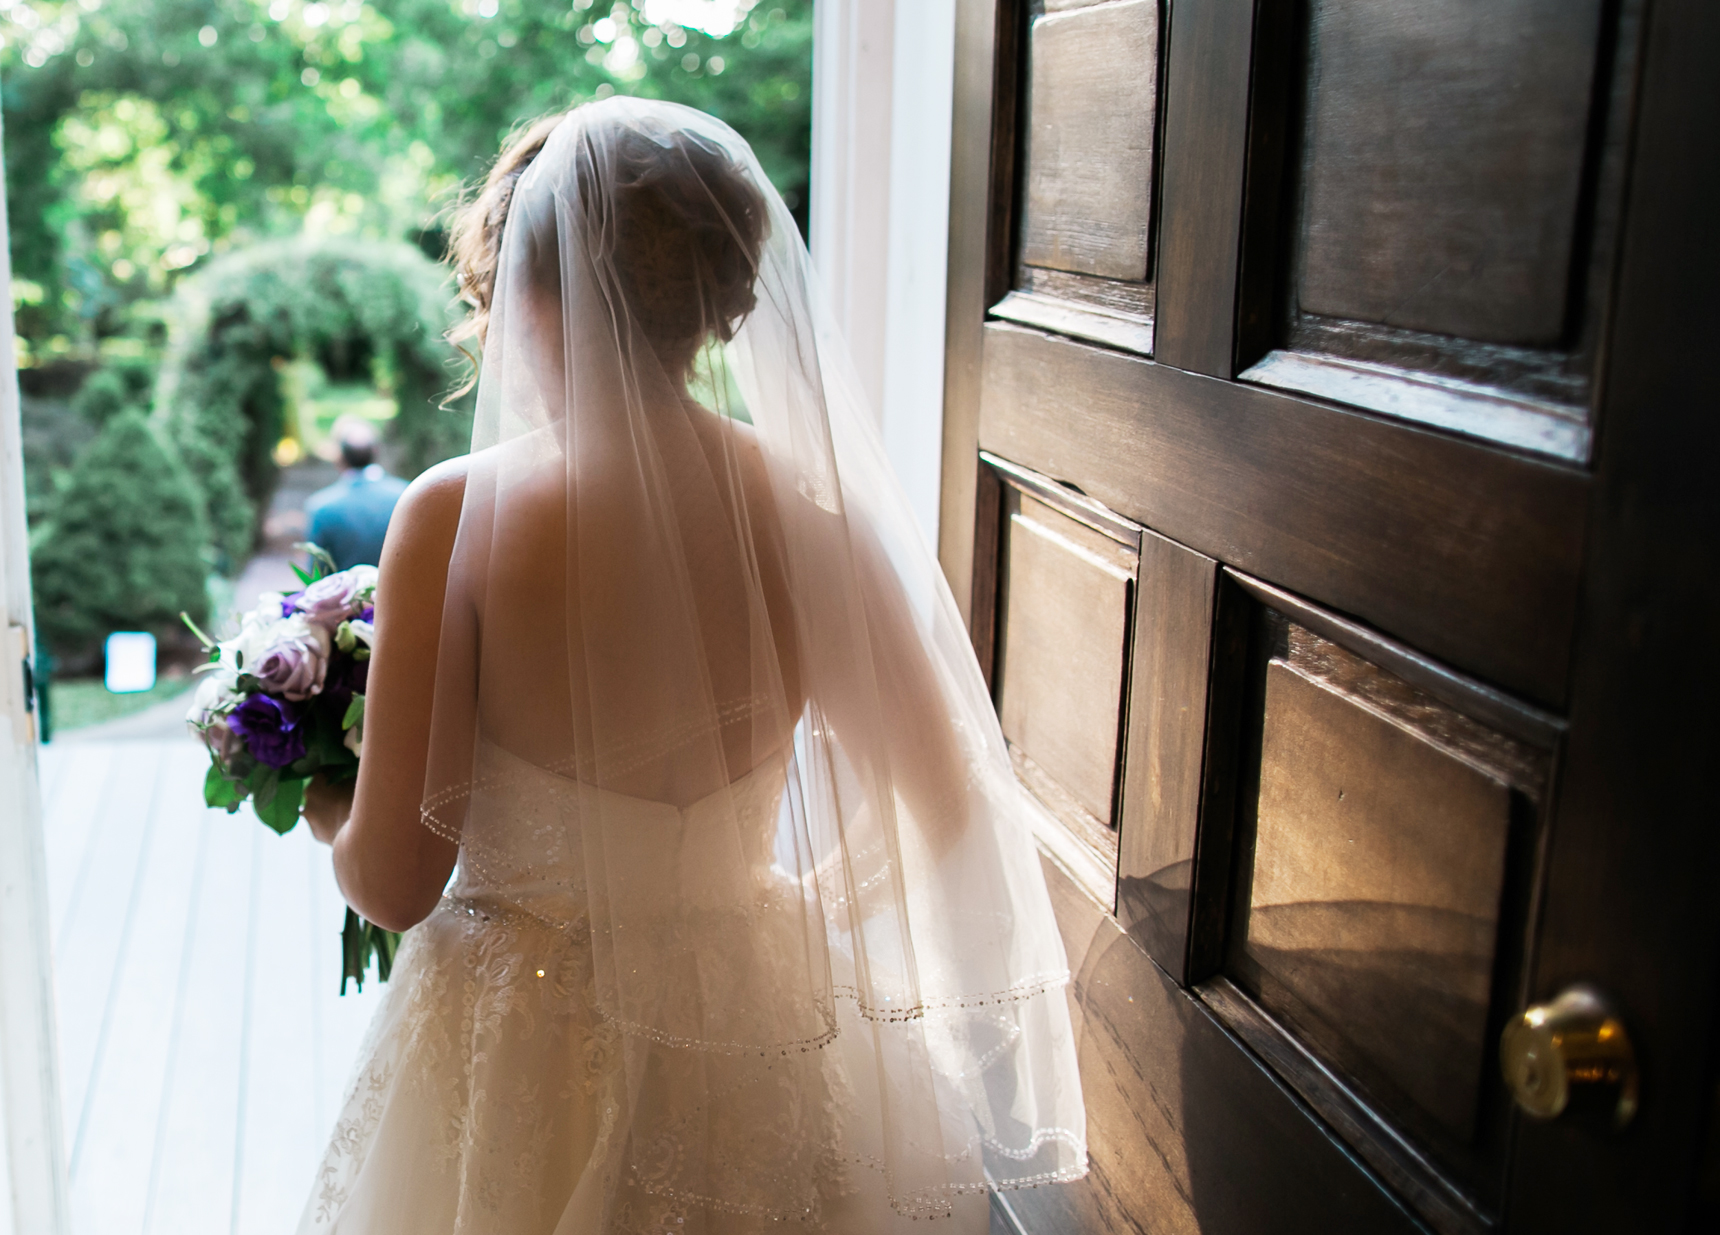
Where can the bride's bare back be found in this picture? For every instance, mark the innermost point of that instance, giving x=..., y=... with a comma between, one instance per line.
x=535, y=598
x=391, y=867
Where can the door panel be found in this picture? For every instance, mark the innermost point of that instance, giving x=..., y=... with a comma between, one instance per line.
x=1451, y=188
x=1064, y=617
x=1443, y=161
x=1089, y=120
x=1092, y=94
x=1345, y=421
x=1378, y=866
x=1367, y=909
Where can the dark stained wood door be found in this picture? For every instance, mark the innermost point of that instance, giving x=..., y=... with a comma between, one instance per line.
x=1330, y=438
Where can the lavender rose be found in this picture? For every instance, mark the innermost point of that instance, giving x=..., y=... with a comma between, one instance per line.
x=270, y=728
x=294, y=660
x=331, y=600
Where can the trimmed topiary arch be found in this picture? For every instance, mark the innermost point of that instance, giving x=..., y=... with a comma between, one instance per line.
x=362, y=309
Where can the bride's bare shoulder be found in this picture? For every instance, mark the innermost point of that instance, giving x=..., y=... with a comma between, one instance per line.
x=436, y=494
x=421, y=531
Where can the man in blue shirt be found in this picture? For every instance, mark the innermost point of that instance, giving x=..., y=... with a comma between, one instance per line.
x=350, y=517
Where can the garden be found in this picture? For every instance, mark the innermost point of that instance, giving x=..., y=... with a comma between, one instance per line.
x=228, y=229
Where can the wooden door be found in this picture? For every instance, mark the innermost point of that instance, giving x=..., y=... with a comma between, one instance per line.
x=1329, y=450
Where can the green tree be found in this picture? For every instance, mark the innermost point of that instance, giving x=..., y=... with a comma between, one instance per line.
x=143, y=138
x=122, y=545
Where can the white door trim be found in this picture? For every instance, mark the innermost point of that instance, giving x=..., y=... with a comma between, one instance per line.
x=32, y=1148
x=883, y=80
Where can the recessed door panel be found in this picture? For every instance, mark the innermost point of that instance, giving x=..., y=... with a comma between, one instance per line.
x=1094, y=80
x=1062, y=650
x=1368, y=820
x=1378, y=870
x=1445, y=151
x=1452, y=171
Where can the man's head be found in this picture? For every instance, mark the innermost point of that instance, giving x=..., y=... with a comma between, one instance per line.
x=356, y=439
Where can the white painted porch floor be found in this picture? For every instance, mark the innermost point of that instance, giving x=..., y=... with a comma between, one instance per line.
x=203, y=1045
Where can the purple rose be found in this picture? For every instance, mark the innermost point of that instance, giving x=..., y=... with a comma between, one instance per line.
x=294, y=659
x=270, y=728
x=331, y=600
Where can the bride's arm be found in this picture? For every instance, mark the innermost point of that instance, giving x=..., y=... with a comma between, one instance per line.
x=392, y=868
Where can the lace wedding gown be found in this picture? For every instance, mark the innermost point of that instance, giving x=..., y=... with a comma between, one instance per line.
x=490, y=1096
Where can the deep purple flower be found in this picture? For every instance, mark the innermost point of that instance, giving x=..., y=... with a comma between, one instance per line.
x=346, y=676
x=290, y=604
x=270, y=727
x=368, y=615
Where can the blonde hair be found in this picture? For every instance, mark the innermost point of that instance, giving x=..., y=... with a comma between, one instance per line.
x=685, y=244
x=475, y=239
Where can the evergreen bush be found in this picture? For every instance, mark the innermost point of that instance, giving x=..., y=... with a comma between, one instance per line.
x=122, y=545
x=103, y=396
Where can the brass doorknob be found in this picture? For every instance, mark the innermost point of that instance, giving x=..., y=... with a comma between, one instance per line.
x=1571, y=1053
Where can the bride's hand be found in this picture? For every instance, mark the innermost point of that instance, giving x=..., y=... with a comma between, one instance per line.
x=327, y=807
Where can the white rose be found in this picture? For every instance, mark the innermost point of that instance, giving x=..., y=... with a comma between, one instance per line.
x=214, y=694
x=256, y=631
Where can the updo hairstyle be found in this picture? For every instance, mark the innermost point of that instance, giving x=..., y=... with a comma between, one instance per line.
x=680, y=229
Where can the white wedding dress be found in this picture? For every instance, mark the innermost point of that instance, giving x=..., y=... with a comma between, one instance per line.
x=830, y=991
x=490, y=1098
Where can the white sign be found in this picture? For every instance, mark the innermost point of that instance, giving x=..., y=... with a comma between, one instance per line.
x=130, y=661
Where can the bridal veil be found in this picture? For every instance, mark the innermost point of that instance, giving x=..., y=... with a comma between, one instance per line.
x=685, y=570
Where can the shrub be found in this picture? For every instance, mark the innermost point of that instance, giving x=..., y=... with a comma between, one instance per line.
x=122, y=543
x=103, y=396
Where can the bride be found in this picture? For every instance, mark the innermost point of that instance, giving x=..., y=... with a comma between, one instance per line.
x=746, y=924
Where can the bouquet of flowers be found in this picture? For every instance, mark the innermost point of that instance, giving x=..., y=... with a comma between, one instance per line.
x=283, y=701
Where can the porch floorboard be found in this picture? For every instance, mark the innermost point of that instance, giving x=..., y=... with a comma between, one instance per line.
x=204, y=1048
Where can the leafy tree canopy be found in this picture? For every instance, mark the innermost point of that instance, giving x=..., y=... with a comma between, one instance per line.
x=145, y=136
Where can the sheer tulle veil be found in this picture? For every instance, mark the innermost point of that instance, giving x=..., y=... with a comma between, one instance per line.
x=685, y=575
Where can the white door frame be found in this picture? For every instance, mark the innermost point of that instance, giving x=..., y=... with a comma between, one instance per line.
x=32, y=1148
x=883, y=79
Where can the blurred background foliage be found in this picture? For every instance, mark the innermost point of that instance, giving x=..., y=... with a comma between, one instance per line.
x=161, y=153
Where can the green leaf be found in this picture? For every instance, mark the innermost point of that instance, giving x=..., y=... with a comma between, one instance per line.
x=281, y=811
x=262, y=780
x=305, y=577
x=354, y=712
x=219, y=789
x=384, y=944
x=321, y=563
x=352, y=951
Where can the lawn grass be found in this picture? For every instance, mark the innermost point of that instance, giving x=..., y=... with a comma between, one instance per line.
x=78, y=702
